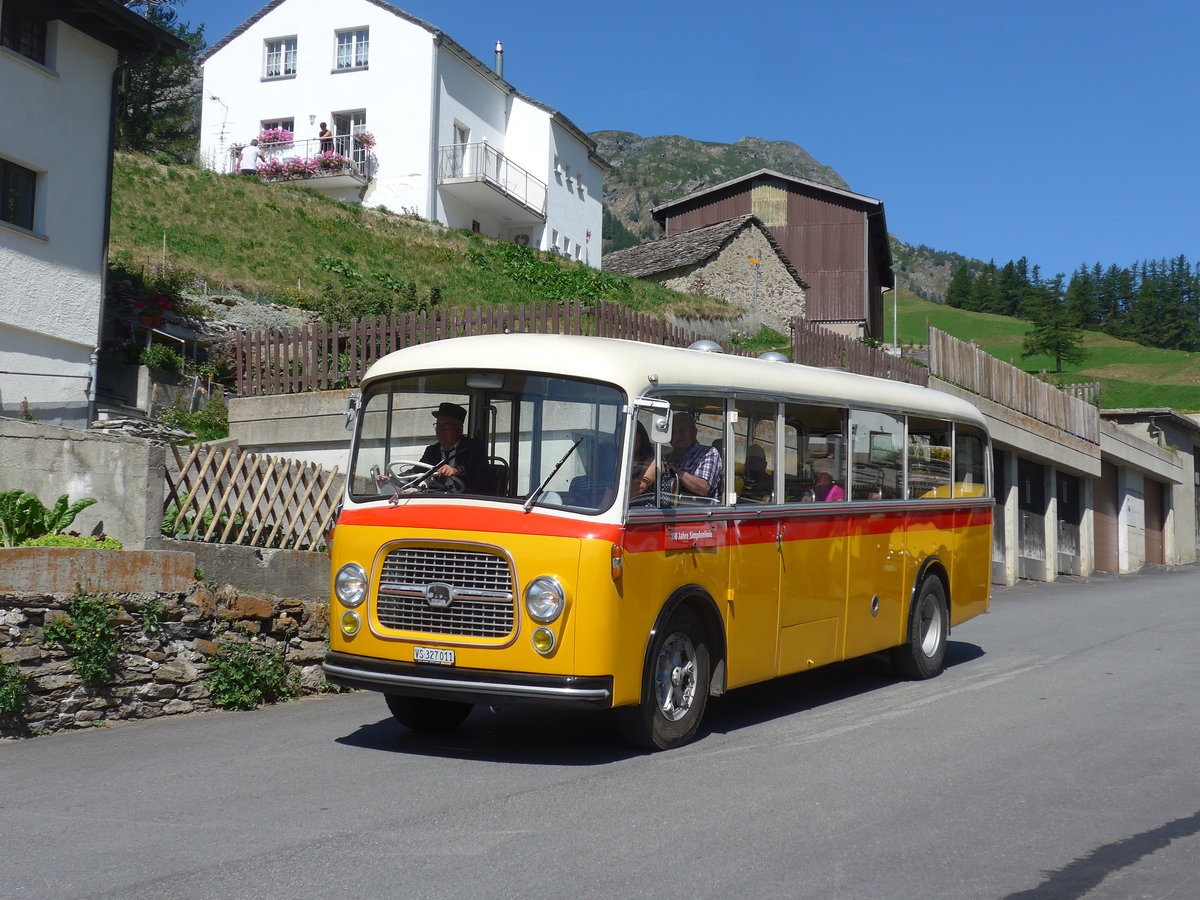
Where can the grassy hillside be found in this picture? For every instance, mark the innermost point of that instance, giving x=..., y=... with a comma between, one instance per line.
x=274, y=241
x=1132, y=375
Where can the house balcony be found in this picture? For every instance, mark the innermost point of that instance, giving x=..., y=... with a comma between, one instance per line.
x=486, y=179
x=333, y=165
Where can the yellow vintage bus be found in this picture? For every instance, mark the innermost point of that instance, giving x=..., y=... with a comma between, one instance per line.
x=518, y=527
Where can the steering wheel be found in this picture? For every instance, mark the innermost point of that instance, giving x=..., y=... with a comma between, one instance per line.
x=410, y=475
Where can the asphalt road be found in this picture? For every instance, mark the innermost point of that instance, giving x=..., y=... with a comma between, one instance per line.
x=1055, y=758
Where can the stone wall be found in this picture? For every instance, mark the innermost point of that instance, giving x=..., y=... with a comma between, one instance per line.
x=159, y=670
x=767, y=291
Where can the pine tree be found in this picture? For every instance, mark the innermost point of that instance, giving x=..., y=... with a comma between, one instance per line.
x=1052, y=334
x=158, y=100
x=958, y=294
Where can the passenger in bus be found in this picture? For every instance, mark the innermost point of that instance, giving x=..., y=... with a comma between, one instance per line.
x=698, y=467
x=643, y=471
x=757, y=483
x=826, y=490
x=458, y=461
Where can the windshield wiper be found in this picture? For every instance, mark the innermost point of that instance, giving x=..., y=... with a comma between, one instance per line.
x=542, y=487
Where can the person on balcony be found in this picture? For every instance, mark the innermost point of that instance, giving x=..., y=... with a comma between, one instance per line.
x=326, y=138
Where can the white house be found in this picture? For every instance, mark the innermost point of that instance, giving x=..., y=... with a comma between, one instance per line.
x=454, y=142
x=57, y=75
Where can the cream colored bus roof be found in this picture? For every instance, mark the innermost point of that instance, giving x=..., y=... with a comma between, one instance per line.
x=630, y=365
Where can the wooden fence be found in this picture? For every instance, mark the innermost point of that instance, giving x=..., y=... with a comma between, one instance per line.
x=324, y=356
x=229, y=496
x=969, y=367
x=813, y=345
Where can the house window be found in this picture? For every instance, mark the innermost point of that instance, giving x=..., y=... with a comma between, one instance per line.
x=16, y=194
x=24, y=30
x=280, y=58
x=286, y=124
x=352, y=47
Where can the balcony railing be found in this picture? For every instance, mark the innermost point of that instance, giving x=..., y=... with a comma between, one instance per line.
x=483, y=163
x=316, y=158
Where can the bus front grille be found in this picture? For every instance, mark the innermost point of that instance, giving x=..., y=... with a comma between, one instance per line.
x=436, y=590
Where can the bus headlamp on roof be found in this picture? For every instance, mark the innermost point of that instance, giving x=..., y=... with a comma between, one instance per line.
x=772, y=356
x=706, y=346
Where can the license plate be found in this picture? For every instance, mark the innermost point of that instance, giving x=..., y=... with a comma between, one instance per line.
x=436, y=655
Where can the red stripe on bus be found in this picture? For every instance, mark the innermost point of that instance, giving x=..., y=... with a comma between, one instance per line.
x=447, y=517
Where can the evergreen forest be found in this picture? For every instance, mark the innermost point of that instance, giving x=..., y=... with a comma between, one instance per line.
x=1153, y=302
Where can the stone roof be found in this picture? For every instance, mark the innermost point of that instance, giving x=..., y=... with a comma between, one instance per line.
x=689, y=248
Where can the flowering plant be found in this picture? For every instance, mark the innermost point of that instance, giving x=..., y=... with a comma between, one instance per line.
x=154, y=303
x=300, y=168
x=364, y=139
x=279, y=137
x=272, y=168
x=331, y=161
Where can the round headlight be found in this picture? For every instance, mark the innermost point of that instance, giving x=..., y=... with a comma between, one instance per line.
x=350, y=585
x=544, y=599
x=351, y=623
x=543, y=640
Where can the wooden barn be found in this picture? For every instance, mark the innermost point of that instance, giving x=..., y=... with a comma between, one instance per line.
x=836, y=240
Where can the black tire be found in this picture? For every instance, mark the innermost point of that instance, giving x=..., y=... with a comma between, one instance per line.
x=923, y=654
x=676, y=687
x=425, y=715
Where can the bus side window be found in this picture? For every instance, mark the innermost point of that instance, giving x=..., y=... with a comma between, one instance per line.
x=697, y=426
x=970, y=479
x=754, y=452
x=928, y=459
x=816, y=468
x=877, y=455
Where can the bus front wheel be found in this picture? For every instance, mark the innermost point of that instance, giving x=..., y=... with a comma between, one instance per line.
x=923, y=655
x=677, y=689
x=423, y=714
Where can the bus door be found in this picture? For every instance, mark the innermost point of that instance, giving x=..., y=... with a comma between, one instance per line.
x=812, y=525
x=754, y=559
x=875, y=586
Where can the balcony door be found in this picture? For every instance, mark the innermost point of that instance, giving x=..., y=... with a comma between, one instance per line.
x=345, y=126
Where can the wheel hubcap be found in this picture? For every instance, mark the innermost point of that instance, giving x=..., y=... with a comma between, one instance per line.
x=931, y=626
x=675, y=677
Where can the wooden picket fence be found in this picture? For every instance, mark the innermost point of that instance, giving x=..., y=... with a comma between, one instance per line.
x=969, y=367
x=228, y=496
x=324, y=356
x=813, y=345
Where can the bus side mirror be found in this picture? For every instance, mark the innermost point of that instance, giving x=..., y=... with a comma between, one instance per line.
x=351, y=411
x=660, y=418
x=660, y=428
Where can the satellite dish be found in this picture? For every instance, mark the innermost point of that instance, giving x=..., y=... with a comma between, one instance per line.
x=521, y=240
x=706, y=347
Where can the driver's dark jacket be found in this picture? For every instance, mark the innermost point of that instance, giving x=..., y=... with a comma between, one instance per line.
x=468, y=454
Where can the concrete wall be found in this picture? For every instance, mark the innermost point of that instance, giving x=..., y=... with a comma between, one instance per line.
x=125, y=475
x=309, y=427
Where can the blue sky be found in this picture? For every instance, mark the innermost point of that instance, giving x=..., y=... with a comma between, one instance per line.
x=1062, y=131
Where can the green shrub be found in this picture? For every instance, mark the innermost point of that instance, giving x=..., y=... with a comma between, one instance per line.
x=22, y=516
x=209, y=423
x=246, y=675
x=151, y=618
x=95, y=542
x=13, y=691
x=160, y=356
x=89, y=636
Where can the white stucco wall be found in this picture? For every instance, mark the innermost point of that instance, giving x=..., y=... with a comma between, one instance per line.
x=394, y=89
x=50, y=278
x=413, y=91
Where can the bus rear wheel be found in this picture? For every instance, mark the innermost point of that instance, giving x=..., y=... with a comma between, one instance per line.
x=923, y=655
x=425, y=715
x=677, y=690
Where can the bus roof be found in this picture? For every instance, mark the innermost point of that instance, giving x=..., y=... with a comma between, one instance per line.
x=632, y=365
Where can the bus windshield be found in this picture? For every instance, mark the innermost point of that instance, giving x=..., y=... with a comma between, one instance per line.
x=488, y=434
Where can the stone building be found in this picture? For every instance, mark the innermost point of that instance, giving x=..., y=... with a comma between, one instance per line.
x=737, y=261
